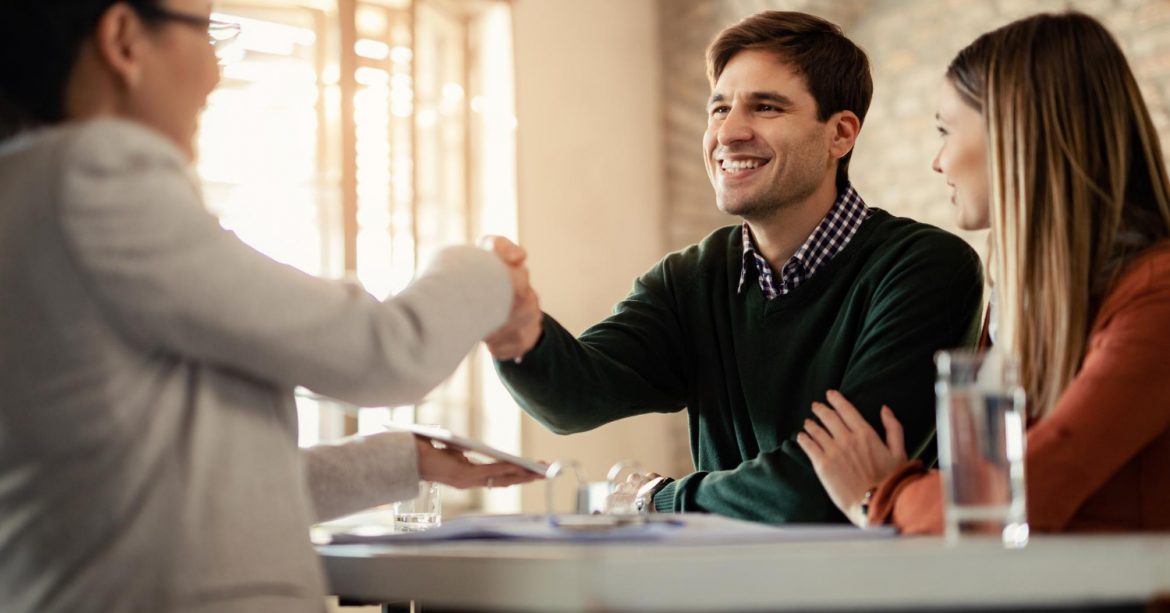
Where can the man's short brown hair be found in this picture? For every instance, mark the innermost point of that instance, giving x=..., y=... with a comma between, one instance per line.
x=835, y=70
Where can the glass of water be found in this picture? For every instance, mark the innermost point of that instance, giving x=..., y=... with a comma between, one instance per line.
x=981, y=407
x=422, y=512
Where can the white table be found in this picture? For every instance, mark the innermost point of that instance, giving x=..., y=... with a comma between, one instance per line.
x=891, y=574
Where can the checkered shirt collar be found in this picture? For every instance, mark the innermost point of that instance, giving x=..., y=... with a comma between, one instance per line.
x=826, y=241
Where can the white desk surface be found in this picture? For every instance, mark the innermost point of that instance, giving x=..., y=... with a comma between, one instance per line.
x=893, y=574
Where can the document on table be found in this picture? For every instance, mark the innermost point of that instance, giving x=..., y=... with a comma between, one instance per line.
x=665, y=528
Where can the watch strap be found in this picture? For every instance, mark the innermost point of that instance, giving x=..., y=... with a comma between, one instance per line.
x=644, y=500
x=864, y=506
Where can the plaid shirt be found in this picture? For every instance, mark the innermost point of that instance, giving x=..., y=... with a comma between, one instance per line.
x=825, y=242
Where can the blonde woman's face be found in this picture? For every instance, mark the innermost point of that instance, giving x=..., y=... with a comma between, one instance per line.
x=962, y=158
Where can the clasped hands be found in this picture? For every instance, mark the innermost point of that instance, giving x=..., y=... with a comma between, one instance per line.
x=847, y=453
x=522, y=330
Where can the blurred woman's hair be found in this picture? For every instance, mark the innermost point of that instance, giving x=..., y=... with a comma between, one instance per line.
x=39, y=45
x=1078, y=183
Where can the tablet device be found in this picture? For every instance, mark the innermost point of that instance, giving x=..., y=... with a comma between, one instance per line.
x=450, y=439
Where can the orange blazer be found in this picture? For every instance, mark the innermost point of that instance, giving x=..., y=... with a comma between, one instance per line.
x=1100, y=461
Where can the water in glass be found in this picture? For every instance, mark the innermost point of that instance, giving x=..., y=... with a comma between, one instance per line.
x=981, y=410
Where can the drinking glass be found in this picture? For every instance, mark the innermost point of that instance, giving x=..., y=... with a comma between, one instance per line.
x=421, y=512
x=981, y=408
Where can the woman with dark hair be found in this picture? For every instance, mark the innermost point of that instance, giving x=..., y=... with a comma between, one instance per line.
x=148, y=448
x=1047, y=141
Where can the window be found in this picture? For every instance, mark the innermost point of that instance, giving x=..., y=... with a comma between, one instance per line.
x=352, y=139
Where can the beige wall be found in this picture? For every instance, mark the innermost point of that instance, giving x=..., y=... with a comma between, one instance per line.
x=910, y=43
x=591, y=193
x=687, y=27
x=910, y=53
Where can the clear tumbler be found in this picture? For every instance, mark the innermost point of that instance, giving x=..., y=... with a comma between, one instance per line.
x=981, y=408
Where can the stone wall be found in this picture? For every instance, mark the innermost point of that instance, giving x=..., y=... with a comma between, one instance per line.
x=909, y=43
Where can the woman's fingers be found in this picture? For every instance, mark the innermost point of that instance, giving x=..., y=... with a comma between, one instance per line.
x=451, y=467
x=847, y=412
x=811, y=448
x=513, y=478
x=498, y=474
x=818, y=434
x=831, y=420
x=895, y=438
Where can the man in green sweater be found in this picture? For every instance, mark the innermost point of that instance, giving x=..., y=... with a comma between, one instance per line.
x=813, y=291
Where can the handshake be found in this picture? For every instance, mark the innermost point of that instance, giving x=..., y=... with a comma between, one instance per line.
x=522, y=330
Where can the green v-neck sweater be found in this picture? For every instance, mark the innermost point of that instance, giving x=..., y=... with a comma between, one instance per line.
x=747, y=369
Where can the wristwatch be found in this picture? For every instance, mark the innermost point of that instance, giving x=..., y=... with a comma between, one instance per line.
x=644, y=499
x=865, y=498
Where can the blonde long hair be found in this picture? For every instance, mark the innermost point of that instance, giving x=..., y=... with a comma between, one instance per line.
x=1078, y=184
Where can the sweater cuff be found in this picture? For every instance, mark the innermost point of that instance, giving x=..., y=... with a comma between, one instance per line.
x=664, y=499
x=881, y=506
x=361, y=472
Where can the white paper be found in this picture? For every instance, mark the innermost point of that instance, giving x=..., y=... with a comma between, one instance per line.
x=666, y=528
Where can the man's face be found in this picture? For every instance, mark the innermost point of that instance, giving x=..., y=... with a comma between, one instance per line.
x=764, y=148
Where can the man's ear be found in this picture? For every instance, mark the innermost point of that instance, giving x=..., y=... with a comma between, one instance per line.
x=844, y=127
x=119, y=41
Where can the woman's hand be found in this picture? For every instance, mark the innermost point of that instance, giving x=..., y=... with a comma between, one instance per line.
x=451, y=467
x=847, y=454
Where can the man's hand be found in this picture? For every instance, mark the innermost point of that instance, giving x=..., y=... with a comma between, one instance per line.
x=847, y=454
x=621, y=500
x=451, y=467
x=522, y=330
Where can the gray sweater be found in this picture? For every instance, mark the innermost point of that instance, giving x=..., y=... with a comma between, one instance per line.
x=148, y=456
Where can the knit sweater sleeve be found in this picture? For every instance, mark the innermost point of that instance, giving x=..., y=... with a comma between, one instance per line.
x=629, y=364
x=931, y=300
x=361, y=472
x=911, y=499
x=927, y=300
x=171, y=279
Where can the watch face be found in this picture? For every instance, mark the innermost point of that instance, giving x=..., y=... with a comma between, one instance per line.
x=644, y=502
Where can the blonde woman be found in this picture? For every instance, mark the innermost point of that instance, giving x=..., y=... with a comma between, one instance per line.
x=1047, y=141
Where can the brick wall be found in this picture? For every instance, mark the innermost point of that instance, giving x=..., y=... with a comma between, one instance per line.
x=909, y=43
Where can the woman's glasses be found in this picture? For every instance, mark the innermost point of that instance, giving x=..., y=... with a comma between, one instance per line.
x=221, y=34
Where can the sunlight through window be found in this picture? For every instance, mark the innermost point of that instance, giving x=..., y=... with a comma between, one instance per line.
x=433, y=146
